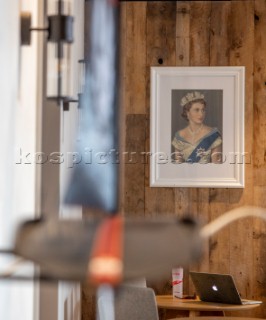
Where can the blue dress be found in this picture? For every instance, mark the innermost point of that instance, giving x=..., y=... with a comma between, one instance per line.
x=200, y=152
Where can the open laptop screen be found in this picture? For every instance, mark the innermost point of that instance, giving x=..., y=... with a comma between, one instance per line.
x=212, y=287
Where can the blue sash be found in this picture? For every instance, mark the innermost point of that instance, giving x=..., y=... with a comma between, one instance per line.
x=204, y=144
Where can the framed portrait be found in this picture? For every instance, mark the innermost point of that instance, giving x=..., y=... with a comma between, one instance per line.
x=197, y=127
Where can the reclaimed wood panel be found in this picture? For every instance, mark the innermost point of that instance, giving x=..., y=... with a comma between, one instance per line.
x=160, y=41
x=219, y=254
x=161, y=46
x=134, y=163
x=200, y=33
x=259, y=240
x=88, y=307
x=133, y=39
x=241, y=239
x=204, y=33
x=122, y=100
x=161, y=31
x=260, y=93
x=182, y=59
x=182, y=207
x=182, y=33
x=219, y=33
x=135, y=53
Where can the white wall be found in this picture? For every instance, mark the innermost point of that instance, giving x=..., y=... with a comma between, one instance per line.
x=9, y=54
x=18, y=131
x=28, y=119
x=9, y=93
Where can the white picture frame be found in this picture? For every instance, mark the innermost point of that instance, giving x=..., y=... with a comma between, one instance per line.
x=223, y=90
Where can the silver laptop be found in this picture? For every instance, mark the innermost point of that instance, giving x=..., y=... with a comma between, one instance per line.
x=212, y=287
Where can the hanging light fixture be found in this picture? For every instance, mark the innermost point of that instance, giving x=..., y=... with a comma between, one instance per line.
x=59, y=39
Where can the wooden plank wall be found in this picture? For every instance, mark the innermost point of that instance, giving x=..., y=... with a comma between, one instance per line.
x=199, y=33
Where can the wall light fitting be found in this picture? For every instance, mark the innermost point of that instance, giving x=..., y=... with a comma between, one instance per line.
x=60, y=36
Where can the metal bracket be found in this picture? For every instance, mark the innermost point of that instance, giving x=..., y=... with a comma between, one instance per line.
x=60, y=28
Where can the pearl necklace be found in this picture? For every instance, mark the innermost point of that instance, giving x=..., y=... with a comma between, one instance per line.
x=193, y=133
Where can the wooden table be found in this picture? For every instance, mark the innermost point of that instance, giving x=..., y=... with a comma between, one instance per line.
x=195, y=306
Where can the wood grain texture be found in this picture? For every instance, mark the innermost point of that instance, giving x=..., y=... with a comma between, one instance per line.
x=161, y=31
x=219, y=249
x=203, y=33
x=161, y=25
x=259, y=93
x=241, y=244
x=219, y=33
x=135, y=53
x=122, y=98
x=182, y=59
x=259, y=254
x=182, y=33
x=259, y=239
x=161, y=46
x=189, y=201
x=200, y=33
x=134, y=162
x=88, y=308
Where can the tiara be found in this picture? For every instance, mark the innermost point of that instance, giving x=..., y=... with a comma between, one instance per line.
x=191, y=96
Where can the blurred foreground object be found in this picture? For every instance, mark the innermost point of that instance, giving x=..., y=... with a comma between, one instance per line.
x=146, y=248
x=230, y=216
x=63, y=249
x=94, y=181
